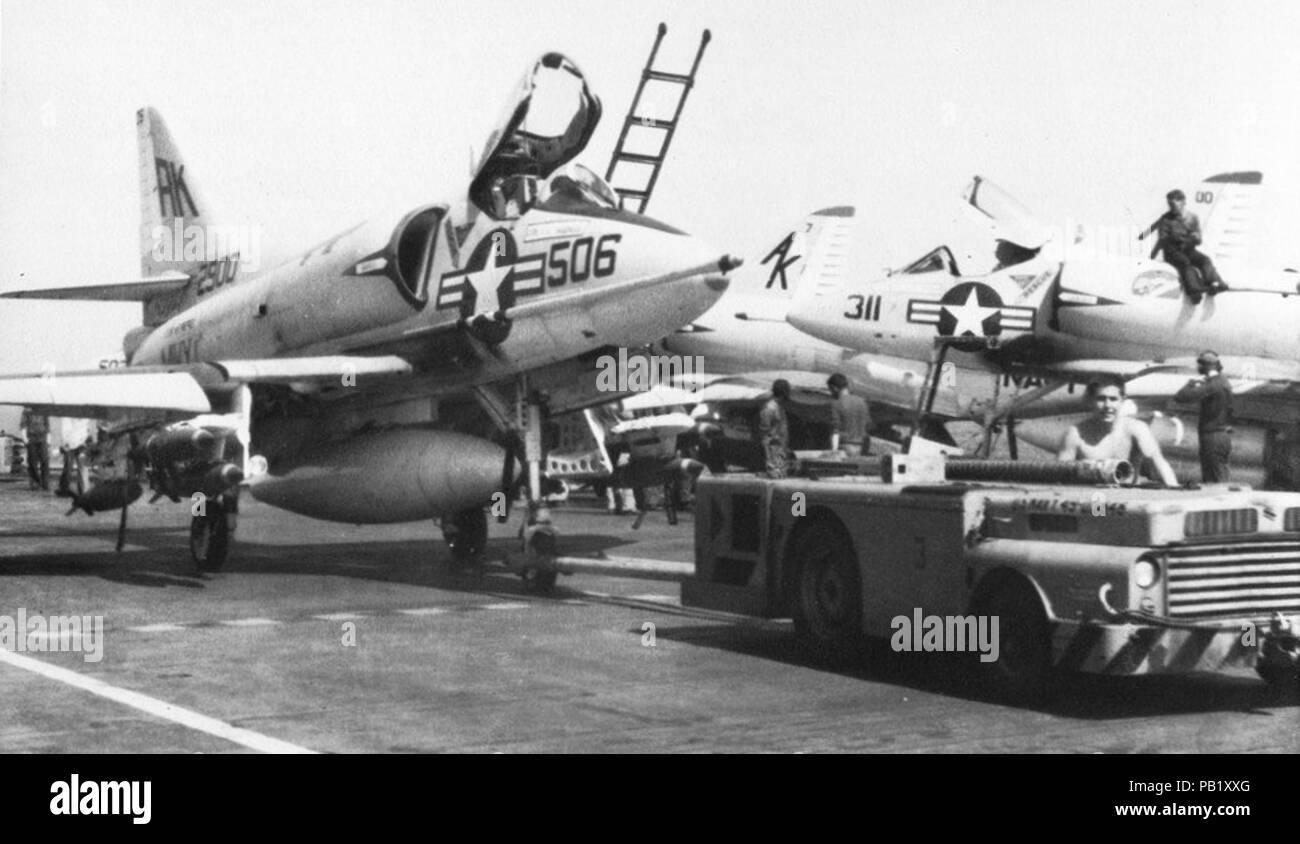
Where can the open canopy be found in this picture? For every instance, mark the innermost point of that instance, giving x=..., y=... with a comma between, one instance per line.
x=547, y=123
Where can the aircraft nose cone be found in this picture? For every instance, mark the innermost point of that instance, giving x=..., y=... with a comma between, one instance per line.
x=803, y=315
x=726, y=264
x=822, y=317
x=698, y=257
x=667, y=279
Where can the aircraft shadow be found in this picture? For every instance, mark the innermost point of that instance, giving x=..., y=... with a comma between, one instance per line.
x=1083, y=696
x=159, y=558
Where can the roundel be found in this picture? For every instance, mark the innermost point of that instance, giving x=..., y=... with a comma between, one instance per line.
x=970, y=308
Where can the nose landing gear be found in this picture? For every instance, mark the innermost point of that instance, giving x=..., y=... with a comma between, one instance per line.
x=534, y=561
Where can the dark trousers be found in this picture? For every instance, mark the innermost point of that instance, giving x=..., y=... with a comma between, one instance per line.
x=1194, y=286
x=38, y=463
x=1215, y=448
x=68, y=477
x=777, y=464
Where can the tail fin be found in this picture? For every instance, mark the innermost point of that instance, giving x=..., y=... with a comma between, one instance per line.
x=814, y=252
x=175, y=264
x=1225, y=205
x=170, y=202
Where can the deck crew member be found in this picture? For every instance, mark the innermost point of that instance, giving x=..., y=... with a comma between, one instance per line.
x=1214, y=430
x=774, y=429
x=849, y=418
x=38, y=448
x=1179, y=235
x=1108, y=435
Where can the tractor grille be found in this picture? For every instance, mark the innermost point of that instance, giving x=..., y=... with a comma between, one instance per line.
x=1221, y=522
x=1240, y=580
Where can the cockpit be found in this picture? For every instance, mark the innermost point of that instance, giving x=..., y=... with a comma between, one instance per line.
x=547, y=124
x=934, y=261
x=576, y=184
x=571, y=188
x=941, y=260
x=1019, y=236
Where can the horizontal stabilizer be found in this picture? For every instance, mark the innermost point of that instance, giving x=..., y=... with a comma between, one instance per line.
x=141, y=290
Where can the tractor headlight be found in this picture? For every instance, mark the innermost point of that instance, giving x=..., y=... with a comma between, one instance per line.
x=1146, y=573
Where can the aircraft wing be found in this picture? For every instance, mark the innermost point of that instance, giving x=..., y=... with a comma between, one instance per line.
x=181, y=388
x=93, y=394
x=1250, y=368
x=806, y=387
x=660, y=397
x=666, y=424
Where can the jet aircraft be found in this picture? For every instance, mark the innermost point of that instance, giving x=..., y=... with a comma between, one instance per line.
x=1046, y=321
x=361, y=380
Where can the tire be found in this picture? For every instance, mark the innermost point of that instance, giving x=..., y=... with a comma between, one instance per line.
x=1023, y=671
x=210, y=539
x=540, y=580
x=828, y=606
x=1280, y=671
x=1281, y=680
x=467, y=540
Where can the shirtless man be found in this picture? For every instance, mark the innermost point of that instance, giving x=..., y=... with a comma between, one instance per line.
x=1106, y=435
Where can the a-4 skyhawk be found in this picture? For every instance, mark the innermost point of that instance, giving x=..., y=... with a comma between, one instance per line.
x=1047, y=320
x=361, y=380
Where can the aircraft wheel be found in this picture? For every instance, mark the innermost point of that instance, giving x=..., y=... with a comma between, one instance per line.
x=1022, y=673
x=540, y=544
x=828, y=613
x=539, y=581
x=466, y=537
x=210, y=538
x=1283, y=681
x=1279, y=665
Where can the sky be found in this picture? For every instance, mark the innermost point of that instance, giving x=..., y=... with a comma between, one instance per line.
x=302, y=118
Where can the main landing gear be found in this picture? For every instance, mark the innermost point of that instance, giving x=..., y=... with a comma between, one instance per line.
x=466, y=534
x=210, y=530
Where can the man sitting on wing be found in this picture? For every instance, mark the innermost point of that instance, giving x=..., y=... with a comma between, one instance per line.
x=1108, y=435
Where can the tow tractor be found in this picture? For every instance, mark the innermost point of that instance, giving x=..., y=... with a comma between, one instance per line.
x=1084, y=571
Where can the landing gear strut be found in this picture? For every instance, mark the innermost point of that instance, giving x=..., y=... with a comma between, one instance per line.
x=210, y=532
x=535, y=559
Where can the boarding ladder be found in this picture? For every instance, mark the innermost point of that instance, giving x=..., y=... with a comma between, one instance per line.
x=641, y=169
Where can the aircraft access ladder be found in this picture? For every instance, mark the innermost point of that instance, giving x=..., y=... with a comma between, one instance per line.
x=652, y=130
